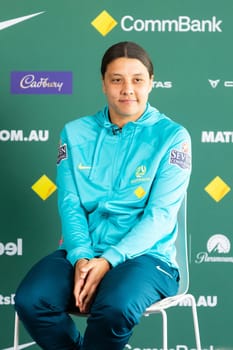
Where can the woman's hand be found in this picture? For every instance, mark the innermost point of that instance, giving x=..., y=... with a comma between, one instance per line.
x=88, y=274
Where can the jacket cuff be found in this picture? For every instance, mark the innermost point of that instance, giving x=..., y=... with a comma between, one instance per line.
x=74, y=255
x=113, y=256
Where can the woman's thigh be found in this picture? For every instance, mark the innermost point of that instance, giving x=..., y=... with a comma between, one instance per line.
x=50, y=281
x=134, y=285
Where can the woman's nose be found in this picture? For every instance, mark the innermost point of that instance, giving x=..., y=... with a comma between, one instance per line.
x=127, y=89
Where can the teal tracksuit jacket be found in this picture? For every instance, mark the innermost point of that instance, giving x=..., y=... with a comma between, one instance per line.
x=119, y=190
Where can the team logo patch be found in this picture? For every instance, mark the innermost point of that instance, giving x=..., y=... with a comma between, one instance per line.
x=140, y=171
x=181, y=159
x=62, y=153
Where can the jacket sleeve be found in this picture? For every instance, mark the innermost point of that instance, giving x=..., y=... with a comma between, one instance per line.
x=160, y=214
x=75, y=235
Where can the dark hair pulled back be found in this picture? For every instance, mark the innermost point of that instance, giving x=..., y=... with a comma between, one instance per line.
x=127, y=49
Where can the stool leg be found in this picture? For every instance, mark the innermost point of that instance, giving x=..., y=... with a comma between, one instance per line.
x=16, y=332
x=164, y=315
x=195, y=322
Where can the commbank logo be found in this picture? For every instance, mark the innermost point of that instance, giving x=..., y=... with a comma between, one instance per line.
x=12, y=22
x=104, y=23
x=178, y=347
x=217, y=188
x=181, y=24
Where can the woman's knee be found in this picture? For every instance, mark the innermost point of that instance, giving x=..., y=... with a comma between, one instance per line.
x=25, y=303
x=47, y=286
x=117, y=314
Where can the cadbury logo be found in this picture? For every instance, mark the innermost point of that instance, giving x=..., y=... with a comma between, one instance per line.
x=41, y=83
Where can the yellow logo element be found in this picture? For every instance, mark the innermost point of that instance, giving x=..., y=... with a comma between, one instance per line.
x=140, y=171
x=83, y=167
x=217, y=189
x=104, y=23
x=44, y=187
x=140, y=192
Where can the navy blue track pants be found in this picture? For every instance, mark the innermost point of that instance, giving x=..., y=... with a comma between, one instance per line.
x=45, y=297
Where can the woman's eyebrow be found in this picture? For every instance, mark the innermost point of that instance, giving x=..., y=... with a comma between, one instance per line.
x=119, y=74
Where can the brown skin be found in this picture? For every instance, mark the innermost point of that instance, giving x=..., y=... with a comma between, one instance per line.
x=88, y=274
x=127, y=85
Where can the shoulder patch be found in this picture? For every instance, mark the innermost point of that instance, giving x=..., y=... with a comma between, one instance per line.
x=181, y=158
x=62, y=153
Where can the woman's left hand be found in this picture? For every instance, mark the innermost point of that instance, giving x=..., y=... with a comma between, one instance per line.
x=93, y=270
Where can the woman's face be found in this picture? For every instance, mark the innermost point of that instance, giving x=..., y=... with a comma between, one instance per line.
x=127, y=85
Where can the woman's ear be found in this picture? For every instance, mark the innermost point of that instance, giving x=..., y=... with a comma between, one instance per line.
x=103, y=86
x=151, y=82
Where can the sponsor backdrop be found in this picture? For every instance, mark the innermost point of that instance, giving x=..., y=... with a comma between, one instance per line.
x=49, y=74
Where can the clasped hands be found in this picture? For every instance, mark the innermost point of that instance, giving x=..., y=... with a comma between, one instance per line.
x=88, y=274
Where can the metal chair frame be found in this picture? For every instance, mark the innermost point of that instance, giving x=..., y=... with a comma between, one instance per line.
x=182, y=259
x=162, y=305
